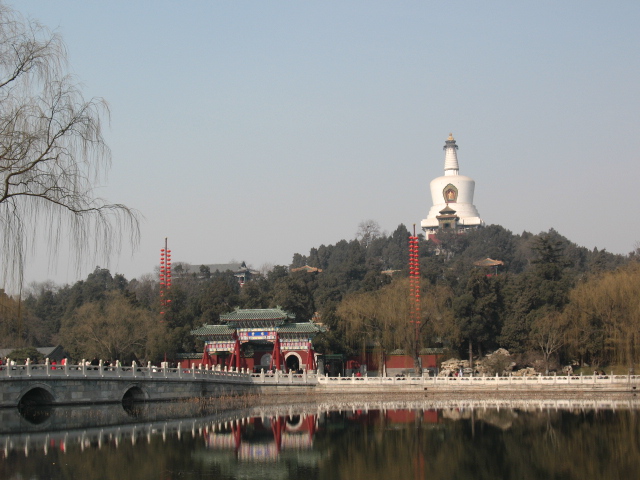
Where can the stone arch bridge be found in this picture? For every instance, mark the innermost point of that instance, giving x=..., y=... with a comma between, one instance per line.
x=25, y=385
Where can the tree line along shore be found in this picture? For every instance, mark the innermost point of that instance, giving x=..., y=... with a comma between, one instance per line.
x=551, y=303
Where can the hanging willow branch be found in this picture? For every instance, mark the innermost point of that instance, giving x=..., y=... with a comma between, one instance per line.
x=52, y=154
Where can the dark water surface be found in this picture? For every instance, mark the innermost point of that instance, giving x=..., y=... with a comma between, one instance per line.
x=333, y=441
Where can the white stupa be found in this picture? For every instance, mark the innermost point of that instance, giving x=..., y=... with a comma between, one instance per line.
x=452, y=197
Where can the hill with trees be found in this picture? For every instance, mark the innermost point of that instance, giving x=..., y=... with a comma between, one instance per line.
x=551, y=301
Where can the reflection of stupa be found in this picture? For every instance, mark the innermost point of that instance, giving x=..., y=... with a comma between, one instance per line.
x=452, y=197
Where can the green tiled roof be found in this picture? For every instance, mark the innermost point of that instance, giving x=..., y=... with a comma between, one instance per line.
x=306, y=327
x=257, y=314
x=213, y=330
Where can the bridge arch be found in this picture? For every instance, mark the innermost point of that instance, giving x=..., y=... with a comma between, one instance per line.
x=134, y=394
x=36, y=395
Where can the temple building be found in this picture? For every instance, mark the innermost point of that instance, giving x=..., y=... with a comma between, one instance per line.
x=259, y=339
x=239, y=270
x=452, y=198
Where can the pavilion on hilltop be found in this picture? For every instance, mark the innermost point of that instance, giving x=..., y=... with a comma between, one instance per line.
x=489, y=264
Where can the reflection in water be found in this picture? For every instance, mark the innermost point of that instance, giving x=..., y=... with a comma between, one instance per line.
x=348, y=440
x=35, y=414
x=135, y=409
x=263, y=439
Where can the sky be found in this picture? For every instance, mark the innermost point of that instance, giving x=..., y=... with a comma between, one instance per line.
x=253, y=130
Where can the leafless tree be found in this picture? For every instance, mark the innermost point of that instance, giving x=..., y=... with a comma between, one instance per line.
x=382, y=318
x=112, y=329
x=607, y=307
x=368, y=231
x=548, y=335
x=52, y=154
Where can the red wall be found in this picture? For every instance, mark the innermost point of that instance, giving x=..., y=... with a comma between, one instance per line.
x=245, y=362
x=392, y=361
x=369, y=359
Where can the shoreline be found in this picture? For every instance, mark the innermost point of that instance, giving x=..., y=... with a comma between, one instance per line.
x=368, y=396
x=206, y=411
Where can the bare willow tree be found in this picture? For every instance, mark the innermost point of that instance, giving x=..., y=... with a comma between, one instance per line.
x=113, y=329
x=382, y=318
x=377, y=318
x=52, y=154
x=606, y=308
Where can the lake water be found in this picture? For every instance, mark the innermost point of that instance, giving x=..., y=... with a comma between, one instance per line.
x=350, y=440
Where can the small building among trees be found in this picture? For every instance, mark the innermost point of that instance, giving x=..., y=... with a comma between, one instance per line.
x=240, y=270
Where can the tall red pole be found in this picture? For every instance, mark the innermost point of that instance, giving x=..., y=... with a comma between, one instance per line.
x=414, y=280
x=165, y=277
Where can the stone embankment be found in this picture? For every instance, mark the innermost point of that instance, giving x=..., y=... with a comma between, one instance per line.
x=465, y=385
x=82, y=384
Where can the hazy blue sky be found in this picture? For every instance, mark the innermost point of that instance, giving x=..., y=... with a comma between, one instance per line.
x=252, y=130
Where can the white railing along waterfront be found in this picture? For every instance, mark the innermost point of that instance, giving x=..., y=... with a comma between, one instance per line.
x=218, y=373
x=280, y=378
x=483, y=381
x=199, y=372
x=118, y=371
